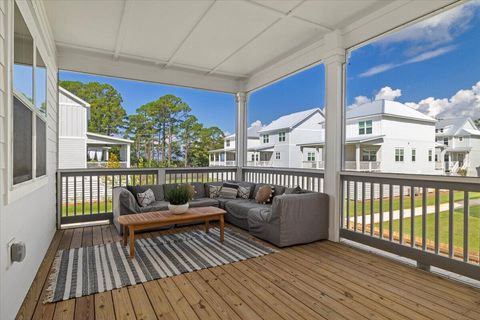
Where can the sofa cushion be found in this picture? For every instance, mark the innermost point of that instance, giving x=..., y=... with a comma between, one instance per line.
x=222, y=202
x=260, y=214
x=214, y=191
x=277, y=190
x=245, y=185
x=156, y=206
x=156, y=188
x=228, y=192
x=240, y=208
x=199, y=190
x=244, y=192
x=203, y=202
x=296, y=190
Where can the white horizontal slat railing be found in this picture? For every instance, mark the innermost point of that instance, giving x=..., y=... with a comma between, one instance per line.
x=434, y=220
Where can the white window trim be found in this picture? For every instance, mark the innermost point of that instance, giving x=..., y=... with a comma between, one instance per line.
x=282, y=136
x=414, y=153
x=20, y=190
x=395, y=154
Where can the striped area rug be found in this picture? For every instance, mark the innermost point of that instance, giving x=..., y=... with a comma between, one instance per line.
x=84, y=271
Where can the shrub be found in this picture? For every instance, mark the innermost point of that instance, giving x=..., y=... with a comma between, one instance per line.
x=178, y=196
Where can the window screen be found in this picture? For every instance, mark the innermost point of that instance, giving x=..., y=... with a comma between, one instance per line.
x=41, y=129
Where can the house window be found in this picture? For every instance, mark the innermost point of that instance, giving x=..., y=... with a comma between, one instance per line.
x=311, y=156
x=445, y=141
x=253, y=157
x=266, y=138
x=281, y=137
x=414, y=155
x=460, y=139
x=365, y=127
x=277, y=155
x=369, y=155
x=436, y=158
x=227, y=143
x=399, y=154
x=430, y=155
x=29, y=106
x=256, y=157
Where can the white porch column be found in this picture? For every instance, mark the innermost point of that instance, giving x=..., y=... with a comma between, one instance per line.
x=241, y=132
x=334, y=59
x=127, y=156
x=357, y=156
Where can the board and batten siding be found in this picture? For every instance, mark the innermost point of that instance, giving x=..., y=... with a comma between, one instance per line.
x=30, y=215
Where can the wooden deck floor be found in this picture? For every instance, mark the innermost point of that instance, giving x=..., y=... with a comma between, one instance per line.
x=323, y=280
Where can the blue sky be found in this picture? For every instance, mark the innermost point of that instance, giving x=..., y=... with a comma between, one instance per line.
x=432, y=66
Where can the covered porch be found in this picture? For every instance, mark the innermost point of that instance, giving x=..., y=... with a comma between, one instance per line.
x=100, y=146
x=236, y=47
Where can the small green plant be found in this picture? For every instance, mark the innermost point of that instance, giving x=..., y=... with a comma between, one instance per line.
x=462, y=172
x=179, y=196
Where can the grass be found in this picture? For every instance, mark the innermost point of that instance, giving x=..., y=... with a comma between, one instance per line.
x=444, y=198
x=473, y=234
x=96, y=208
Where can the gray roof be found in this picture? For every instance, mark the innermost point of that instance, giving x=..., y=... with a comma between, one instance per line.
x=461, y=126
x=387, y=107
x=252, y=132
x=290, y=120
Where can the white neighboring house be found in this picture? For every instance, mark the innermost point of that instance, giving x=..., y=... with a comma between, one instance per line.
x=280, y=139
x=382, y=135
x=79, y=148
x=458, y=146
x=226, y=155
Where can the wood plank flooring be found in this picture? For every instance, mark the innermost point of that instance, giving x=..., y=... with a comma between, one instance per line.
x=322, y=280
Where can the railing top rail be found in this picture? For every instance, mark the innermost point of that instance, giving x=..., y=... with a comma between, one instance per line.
x=447, y=182
x=108, y=170
x=200, y=169
x=285, y=170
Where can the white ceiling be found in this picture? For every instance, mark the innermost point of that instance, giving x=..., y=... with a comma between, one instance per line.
x=231, y=40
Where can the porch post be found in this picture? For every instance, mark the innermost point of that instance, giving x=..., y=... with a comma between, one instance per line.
x=241, y=132
x=334, y=59
x=127, y=159
x=357, y=156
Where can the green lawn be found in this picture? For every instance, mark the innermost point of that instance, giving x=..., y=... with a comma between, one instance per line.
x=95, y=208
x=444, y=198
x=473, y=234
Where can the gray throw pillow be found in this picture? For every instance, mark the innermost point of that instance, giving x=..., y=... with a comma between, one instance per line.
x=296, y=190
x=214, y=191
x=146, y=198
x=228, y=193
x=244, y=192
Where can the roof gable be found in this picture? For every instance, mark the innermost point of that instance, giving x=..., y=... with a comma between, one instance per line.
x=387, y=107
x=290, y=121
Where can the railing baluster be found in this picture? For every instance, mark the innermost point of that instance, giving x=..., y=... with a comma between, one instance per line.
x=412, y=216
x=380, y=207
x=75, y=195
x=363, y=207
x=424, y=218
x=400, y=229
x=466, y=231
x=390, y=212
x=437, y=221
x=372, y=207
x=348, y=204
x=450, y=223
x=66, y=195
x=105, y=195
x=83, y=194
x=355, y=194
x=91, y=195
x=98, y=193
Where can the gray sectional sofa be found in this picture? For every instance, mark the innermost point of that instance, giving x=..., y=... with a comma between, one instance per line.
x=291, y=218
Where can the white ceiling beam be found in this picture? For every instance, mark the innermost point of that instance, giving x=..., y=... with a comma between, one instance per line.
x=122, y=27
x=177, y=49
x=280, y=18
x=290, y=14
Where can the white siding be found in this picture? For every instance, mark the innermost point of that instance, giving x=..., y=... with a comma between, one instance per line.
x=73, y=118
x=31, y=218
x=73, y=153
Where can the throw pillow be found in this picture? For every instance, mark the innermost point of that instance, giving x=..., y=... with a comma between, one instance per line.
x=244, y=192
x=230, y=185
x=146, y=198
x=264, y=194
x=228, y=193
x=214, y=191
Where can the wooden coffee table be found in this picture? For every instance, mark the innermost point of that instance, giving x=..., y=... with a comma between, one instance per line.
x=147, y=220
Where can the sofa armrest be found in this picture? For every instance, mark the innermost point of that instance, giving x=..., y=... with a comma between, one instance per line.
x=302, y=218
x=124, y=202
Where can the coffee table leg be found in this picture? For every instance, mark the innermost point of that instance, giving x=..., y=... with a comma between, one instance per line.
x=125, y=235
x=131, y=232
x=222, y=227
x=207, y=226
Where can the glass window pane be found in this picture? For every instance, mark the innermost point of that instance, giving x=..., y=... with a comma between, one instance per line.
x=41, y=159
x=22, y=142
x=23, y=58
x=41, y=85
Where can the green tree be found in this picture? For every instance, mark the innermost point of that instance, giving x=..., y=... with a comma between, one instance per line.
x=106, y=112
x=189, y=135
x=477, y=123
x=208, y=139
x=140, y=129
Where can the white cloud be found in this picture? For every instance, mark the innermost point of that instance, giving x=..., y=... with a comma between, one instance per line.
x=464, y=103
x=421, y=57
x=256, y=123
x=435, y=31
x=387, y=93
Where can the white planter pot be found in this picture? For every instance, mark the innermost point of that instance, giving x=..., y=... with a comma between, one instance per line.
x=178, y=209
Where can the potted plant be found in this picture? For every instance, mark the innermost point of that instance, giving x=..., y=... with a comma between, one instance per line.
x=178, y=199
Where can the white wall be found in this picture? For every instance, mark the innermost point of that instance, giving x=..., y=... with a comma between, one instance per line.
x=72, y=153
x=31, y=218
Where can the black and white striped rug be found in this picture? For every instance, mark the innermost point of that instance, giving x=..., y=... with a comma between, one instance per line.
x=84, y=271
